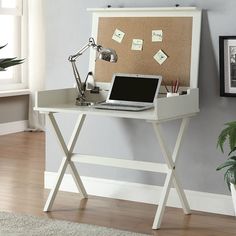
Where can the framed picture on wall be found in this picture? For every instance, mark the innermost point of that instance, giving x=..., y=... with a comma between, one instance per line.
x=227, y=51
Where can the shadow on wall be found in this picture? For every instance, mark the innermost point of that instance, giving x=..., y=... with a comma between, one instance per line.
x=208, y=69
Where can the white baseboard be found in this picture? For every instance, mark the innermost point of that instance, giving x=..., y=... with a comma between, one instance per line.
x=199, y=201
x=13, y=127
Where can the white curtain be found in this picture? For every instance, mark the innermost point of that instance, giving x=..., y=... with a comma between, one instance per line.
x=36, y=59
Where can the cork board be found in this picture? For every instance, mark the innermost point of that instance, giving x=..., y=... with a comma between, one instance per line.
x=176, y=44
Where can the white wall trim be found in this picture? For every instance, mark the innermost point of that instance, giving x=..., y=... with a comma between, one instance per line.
x=16, y=92
x=199, y=201
x=13, y=127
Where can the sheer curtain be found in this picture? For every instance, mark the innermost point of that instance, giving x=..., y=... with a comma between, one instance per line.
x=36, y=59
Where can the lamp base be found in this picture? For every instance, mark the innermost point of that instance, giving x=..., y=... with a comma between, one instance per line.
x=84, y=103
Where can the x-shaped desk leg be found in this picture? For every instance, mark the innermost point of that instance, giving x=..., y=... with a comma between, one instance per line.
x=66, y=161
x=170, y=161
x=171, y=175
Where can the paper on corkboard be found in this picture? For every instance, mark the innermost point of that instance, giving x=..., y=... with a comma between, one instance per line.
x=176, y=44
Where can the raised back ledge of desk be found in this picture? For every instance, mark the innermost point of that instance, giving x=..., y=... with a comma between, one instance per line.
x=178, y=106
x=63, y=101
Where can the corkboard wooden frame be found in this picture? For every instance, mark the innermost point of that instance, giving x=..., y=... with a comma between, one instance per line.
x=181, y=42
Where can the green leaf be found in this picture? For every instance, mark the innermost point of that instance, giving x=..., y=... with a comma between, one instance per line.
x=232, y=137
x=2, y=59
x=232, y=123
x=222, y=138
x=3, y=46
x=226, y=178
x=233, y=150
x=226, y=163
x=229, y=133
x=233, y=158
x=11, y=63
x=7, y=59
x=7, y=62
x=231, y=175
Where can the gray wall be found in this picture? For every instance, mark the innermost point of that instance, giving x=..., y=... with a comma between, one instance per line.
x=14, y=108
x=68, y=28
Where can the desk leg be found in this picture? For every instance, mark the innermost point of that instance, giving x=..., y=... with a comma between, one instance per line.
x=66, y=161
x=176, y=182
x=181, y=194
x=71, y=145
x=162, y=203
x=54, y=190
x=171, y=176
x=77, y=180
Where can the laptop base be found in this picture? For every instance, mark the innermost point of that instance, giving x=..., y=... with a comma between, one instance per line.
x=110, y=106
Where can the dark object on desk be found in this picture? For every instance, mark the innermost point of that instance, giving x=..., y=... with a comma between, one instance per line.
x=95, y=90
x=132, y=92
x=183, y=92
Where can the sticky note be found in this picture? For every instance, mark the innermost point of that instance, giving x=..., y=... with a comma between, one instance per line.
x=137, y=44
x=118, y=36
x=157, y=35
x=160, y=57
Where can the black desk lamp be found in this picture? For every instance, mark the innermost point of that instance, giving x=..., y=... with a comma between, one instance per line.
x=106, y=54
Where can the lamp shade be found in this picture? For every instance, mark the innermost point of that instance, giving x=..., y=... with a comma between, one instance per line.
x=107, y=54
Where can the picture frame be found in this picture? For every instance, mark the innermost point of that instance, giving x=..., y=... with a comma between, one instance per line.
x=227, y=60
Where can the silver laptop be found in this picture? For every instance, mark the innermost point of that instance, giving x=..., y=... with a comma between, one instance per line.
x=131, y=92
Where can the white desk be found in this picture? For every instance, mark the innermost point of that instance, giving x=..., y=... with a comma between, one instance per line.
x=181, y=107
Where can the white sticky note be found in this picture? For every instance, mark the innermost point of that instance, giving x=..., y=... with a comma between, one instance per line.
x=157, y=35
x=160, y=57
x=118, y=36
x=137, y=45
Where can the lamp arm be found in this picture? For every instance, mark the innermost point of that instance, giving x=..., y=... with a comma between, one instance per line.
x=73, y=58
x=77, y=79
x=91, y=43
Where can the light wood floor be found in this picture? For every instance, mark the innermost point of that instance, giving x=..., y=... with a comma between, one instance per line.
x=21, y=190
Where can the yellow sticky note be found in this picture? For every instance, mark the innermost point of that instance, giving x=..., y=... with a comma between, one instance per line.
x=118, y=36
x=160, y=57
x=137, y=45
x=157, y=35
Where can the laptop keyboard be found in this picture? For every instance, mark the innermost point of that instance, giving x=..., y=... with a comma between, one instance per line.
x=121, y=107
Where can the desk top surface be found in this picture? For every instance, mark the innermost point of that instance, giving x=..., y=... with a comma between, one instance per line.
x=63, y=101
x=72, y=108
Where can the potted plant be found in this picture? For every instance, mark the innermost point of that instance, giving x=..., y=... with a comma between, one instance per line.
x=229, y=135
x=7, y=62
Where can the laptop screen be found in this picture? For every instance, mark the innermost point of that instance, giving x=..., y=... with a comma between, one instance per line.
x=134, y=88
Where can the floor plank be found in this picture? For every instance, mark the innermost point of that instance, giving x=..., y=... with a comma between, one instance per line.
x=22, y=162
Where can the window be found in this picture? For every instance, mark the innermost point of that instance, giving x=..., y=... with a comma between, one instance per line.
x=12, y=34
